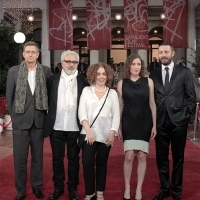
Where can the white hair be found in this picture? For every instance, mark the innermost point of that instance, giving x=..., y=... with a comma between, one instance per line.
x=69, y=52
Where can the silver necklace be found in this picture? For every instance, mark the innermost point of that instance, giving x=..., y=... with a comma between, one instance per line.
x=99, y=90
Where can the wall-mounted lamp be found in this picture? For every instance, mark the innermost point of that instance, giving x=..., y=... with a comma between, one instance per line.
x=118, y=16
x=155, y=31
x=162, y=16
x=30, y=18
x=74, y=17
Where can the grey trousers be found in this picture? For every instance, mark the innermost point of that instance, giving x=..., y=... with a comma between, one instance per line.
x=23, y=140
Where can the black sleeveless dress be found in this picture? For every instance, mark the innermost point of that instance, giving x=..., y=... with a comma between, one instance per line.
x=136, y=116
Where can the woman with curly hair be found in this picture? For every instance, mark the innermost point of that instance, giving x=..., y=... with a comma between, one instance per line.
x=100, y=135
x=137, y=105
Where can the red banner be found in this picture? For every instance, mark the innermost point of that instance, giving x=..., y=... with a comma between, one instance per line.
x=136, y=33
x=175, y=25
x=99, y=24
x=60, y=25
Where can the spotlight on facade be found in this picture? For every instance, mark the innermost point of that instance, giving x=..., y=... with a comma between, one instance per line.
x=19, y=37
x=30, y=18
x=74, y=17
x=118, y=16
x=162, y=16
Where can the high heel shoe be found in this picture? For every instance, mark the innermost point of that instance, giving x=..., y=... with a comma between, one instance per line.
x=90, y=197
x=139, y=195
x=125, y=192
x=100, y=196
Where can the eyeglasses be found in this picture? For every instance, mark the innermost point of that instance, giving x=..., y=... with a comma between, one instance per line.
x=31, y=52
x=74, y=62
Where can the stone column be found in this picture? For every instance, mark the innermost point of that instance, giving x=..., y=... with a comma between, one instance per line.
x=94, y=56
x=143, y=55
x=192, y=39
x=103, y=56
x=45, y=53
x=1, y=10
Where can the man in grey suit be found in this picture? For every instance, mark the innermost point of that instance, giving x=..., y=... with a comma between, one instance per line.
x=62, y=123
x=26, y=97
x=175, y=101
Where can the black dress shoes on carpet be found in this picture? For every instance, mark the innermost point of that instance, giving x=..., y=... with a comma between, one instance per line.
x=177, y=197
x=73, y=195
x=56, y=194
x=38, y=193
x=161, y=195
x=19, y=197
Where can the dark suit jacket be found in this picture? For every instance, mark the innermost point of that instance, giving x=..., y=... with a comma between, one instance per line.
x=85, y=66
x=52, y=86
x=154, y=65
x=26, y=119
x=179, y=100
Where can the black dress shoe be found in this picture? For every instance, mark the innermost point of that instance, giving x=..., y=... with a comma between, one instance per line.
x=38, y=193
x=125, y=199
x=56, y=194
x=177, y=197
x=19, y=197
x=73, y=195
x=161, y=195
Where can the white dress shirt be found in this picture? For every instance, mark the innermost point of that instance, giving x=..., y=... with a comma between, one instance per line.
x=65, y=121
x=170, y=66
x=31, y=79
x=109, y=117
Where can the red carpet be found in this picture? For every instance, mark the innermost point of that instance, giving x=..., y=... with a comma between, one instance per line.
x=115, y=182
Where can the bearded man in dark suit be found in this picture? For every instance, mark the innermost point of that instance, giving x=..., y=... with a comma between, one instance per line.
x=175, y=101
x=26, y=97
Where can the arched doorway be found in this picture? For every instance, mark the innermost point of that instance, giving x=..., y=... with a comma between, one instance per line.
x=155, y=39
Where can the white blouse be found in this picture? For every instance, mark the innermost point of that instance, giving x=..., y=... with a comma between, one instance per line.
x=109, y=117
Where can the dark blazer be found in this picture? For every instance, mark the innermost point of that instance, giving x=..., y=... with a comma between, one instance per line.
x=26, y=119
x=52, y=87
x=154, y=65
x=179, y=100
x=85, y=66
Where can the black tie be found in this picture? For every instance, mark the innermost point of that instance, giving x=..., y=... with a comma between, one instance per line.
x=167, y=78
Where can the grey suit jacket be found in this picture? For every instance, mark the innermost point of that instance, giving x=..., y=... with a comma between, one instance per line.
x=31, y=115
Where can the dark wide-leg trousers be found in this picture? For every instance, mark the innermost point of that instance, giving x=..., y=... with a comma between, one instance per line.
x=22, y=140
x=95, y=156
x=59, y=139
x=169, y=134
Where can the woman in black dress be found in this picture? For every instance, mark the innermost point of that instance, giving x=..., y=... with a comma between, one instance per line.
x=138, y=111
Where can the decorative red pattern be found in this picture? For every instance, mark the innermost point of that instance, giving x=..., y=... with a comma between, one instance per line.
x=99, y=24
x=136, y=34
x=176, y=23
x=60, y=25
